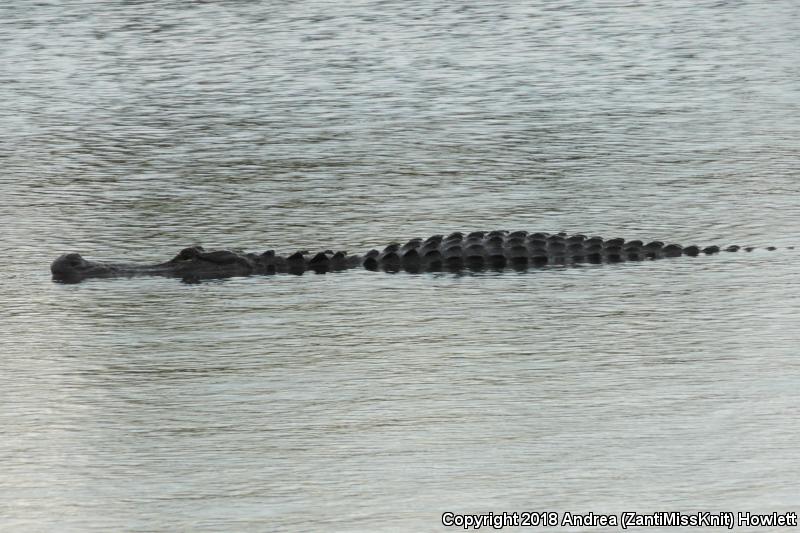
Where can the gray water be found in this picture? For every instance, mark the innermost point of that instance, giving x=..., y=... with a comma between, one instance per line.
x=364, y=401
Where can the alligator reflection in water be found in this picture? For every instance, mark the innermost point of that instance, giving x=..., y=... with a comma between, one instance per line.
x=474, y=251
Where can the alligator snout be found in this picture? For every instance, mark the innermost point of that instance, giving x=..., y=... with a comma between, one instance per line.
x=68, y=268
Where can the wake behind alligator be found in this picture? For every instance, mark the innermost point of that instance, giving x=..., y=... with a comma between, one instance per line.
x=474, y=251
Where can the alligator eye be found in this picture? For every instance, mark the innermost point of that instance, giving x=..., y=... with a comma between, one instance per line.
x=75, y=263
x=188, y=253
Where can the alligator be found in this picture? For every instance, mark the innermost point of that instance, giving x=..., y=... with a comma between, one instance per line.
x=458, y=251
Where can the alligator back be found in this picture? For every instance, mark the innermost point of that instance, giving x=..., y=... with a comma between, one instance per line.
x=521, y=250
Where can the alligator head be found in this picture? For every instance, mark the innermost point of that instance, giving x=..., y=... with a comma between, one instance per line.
x=190, y=264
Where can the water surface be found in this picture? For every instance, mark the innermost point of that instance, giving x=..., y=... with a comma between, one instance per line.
x=364, y=401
